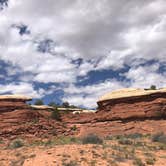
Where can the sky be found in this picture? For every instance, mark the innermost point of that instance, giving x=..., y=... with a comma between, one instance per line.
x=76, y=51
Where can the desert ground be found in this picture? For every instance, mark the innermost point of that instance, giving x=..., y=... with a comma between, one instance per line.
x=120, y=150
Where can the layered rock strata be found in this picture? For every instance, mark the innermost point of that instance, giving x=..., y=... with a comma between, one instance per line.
x=124, y=112
x=133, y=104
x=13, y=102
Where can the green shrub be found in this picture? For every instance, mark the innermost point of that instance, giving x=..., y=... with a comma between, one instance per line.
x=1, y=141
x=39, y=102
x=92, y=139
x=56, y=115
x=134, y=136
x=125, y=141
x=109, y=137
x=150, y=161
x=17, y=144
x=74, y=128
x=159, y=137
x=138, y=162
x=70, y=163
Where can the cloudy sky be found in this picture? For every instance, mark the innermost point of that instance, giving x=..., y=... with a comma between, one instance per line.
x=76, y=51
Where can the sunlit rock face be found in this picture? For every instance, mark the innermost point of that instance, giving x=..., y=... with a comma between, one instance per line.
x=133, y=104
x=13, y=102
x=126, y=111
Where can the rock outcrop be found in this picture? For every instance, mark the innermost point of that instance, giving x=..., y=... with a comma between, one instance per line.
x=13, y=102
x=124, y=112
x=133, y=104
x=28, y=124
x=121, y=112
x=42, y=107
x=19, y=119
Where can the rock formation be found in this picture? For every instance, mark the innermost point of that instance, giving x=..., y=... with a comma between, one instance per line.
x=13, y=102
x=121, y=112
x=17, y=118
x=42, y=107
x=133, y=104
x=124, y=112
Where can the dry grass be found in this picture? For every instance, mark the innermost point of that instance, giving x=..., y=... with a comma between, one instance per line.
x=118, y=150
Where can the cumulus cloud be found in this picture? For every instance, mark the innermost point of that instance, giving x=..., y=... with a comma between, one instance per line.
x=90, y=94
x=20, y=88
x=105, y=34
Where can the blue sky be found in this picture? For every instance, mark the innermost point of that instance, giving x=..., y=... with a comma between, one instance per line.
x=76, y=51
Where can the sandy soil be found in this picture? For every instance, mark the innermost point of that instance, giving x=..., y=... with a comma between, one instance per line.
x=110, y=153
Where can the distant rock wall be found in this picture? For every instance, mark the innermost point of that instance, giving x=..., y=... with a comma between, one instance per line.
x=12, y=102
x=142, y=112
x=140, y=107
x=7, y=106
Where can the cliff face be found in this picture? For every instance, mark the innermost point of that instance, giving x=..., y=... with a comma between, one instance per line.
x=18, y=119
x=137, y=107
x=121, y=112
x=124, y=112
x=140, y=107
x=13, y=102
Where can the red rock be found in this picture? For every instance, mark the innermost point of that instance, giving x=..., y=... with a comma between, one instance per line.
x=150, y=105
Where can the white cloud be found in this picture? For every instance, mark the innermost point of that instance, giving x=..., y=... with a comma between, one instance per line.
x=87, y=96
x=106, y=34
x=20, y=88
x=145, y=76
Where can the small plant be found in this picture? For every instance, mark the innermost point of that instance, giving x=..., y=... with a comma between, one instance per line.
x=39, y=102
x=159, y=137
x=150, y=161
x=74, y=128
x=56, y=114
x=93, y=163
x=125, y=142
x=48, y=143
x=17, y=144
x=109, y=137
x=119, y=137
x=1, y=141
x=138, y=162
x=119, y=157
x=153, y=87
x=134, y=136
x=92, y=139
x=70, y=163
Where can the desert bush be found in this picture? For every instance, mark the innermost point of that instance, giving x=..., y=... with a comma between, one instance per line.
x=150, y=161
x=138, y=162
x=109, y=137
x=119, y=136
x=39, y=102
x=92, y=139
x=159, y=137
x=125, y=141
x=74, y=128
x=134, y=135
x=1, y=141
x=17, y=144
x=70, y=163
x=56, y=114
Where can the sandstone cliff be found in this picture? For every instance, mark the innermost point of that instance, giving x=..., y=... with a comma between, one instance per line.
x=124, y=112
x=13, y=102
x=133, y=104
x=120, y=112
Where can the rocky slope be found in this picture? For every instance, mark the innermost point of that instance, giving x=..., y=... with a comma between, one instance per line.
x=124, y=112
x=120, y=112
x=133, y=104
x=18, y=119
